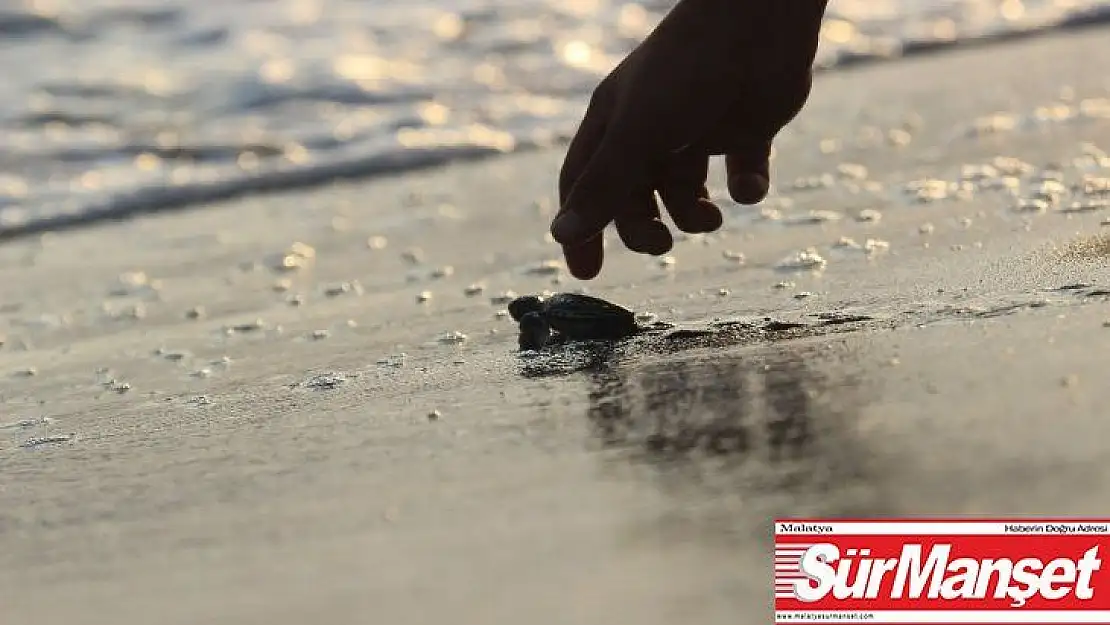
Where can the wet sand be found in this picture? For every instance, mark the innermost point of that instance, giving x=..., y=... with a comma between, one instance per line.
x=193, y=436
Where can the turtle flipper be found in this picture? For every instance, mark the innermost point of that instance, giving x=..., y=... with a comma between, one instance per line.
x=534, y=331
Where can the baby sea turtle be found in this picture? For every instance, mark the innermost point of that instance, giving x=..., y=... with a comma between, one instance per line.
x=575, y=316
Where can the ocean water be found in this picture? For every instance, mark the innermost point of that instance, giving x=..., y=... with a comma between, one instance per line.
x=116, y=107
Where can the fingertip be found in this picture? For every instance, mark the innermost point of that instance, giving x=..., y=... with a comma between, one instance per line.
x=568, y=229
x=702, y=217
x=647, y=236
x=584, y=217
x=691, y=210
x=748, y=171
x=601, y=190
x=582, y=273
x=748, y=187
x=584, y=261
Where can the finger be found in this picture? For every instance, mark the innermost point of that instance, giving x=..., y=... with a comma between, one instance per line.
x=604, y=190
x=750, y=128
x=582, y=147
x=749, y=172
x=584, y=261
x=683, y=191
x=747, y=155
x=693, y=214
x=641, y=229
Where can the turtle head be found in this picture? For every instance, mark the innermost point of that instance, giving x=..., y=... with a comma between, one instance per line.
x=523, y=305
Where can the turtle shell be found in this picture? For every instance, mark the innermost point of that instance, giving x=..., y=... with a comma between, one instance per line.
x=588, y=318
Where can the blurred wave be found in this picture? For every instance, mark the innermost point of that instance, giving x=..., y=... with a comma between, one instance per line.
x=117, y=107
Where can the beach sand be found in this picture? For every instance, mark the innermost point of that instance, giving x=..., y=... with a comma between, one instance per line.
x=257, y=461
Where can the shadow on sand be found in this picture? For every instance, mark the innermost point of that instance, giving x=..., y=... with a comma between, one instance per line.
x=756, y=432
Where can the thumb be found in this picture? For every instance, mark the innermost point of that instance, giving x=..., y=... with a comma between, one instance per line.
x=749, y=172
x=604, y=190
x=751, y=124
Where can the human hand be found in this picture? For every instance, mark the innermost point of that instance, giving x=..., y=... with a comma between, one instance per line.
x=653, y=123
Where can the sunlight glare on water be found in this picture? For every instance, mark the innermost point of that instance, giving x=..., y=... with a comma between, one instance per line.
x=132, y=105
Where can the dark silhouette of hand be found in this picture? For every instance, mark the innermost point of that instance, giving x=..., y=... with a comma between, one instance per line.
x=716, y=77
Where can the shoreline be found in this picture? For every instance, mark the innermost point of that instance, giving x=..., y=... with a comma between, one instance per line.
x=157, y=199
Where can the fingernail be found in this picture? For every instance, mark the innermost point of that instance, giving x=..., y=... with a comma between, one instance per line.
x=568, y=228
x=748, y=188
